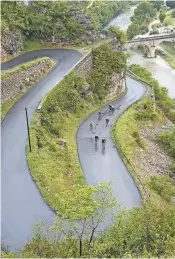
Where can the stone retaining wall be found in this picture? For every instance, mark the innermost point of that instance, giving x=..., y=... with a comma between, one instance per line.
x=23, y=79
x=84, y=67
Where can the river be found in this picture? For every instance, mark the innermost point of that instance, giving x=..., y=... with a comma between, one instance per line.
x=159, y=68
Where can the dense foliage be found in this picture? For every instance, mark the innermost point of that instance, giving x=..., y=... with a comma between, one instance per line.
x=162, y=185
x=143, y=14
x=119, y=34
x=43, y=19
x=103, y=11
x=162, y=15
x=157, y=4
x=141, y=232
x=173, y=13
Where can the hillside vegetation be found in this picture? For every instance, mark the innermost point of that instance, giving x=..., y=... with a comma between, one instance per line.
x=143, y=14
x=103, y=11
x=127, y=132
x=143, y=232
x=69, y=22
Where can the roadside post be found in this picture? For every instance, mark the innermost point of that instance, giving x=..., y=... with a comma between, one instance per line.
x=28, y=129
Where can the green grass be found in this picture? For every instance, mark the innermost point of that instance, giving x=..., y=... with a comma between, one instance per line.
x=170, y=53
x=125, y=134
x=6, y=106
x=167, y=137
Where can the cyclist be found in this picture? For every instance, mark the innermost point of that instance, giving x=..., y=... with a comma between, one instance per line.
x=112, y=109
x=96, y=138
x=103, y=142
x=110, y=106
x=107, y=121
x=99, y=115
x=91, y=124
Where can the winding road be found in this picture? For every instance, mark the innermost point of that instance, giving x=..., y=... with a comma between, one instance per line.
x=22, y=204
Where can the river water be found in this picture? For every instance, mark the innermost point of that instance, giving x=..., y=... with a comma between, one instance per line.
x=159, y=68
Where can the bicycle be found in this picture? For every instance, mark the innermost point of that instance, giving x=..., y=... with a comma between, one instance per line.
x=99, y=115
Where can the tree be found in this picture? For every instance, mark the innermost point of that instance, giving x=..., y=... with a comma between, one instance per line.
x=145, y=9
x=142, y=232
x=157, y=4
x=173, y=14
x=143, y=14
x=162, y=15
x=83, y=211
x=145, y=231
x=119, y=34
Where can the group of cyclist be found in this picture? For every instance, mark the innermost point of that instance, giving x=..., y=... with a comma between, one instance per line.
x=91, y=124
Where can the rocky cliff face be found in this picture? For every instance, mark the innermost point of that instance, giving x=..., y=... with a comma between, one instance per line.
x=117, y=82
x=117, y=85
x=89, y=36
x=84, y=20
x=10, y=43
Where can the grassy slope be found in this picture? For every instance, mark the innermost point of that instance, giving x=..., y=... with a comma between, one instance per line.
x=56, y=168
x=126, y=132
x=6, y=106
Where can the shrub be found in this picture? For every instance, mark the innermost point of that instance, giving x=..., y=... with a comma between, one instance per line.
x=136, y=135
x=163, y=186
x=173, y=14
x=167, y=137
x=145, y=111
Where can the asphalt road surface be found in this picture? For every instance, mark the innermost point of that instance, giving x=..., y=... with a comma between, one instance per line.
x=22, y=204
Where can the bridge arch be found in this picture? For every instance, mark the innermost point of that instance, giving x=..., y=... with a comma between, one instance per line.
x=151, y=42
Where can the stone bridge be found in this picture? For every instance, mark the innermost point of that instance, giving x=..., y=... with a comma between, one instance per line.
x=151, y=42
